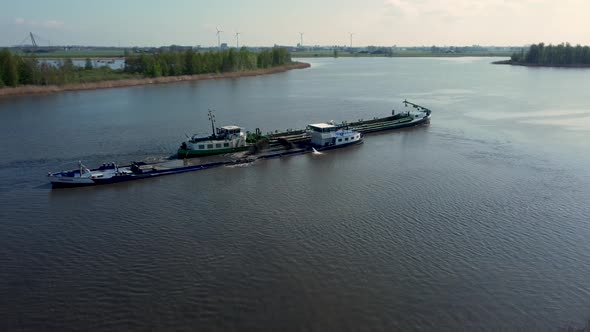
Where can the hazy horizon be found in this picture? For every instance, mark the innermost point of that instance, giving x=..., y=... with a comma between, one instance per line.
x=265, y=23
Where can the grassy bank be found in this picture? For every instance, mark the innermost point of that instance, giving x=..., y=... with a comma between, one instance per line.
x=103, y=74
x=20, y=71
x=134, y=80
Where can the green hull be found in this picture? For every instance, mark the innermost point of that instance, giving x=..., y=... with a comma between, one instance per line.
x=201, y=153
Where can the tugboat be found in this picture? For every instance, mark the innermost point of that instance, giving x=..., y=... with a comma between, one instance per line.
x=325, y=136
x=227, y=139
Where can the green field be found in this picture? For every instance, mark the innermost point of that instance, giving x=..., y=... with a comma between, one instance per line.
x=99, y=74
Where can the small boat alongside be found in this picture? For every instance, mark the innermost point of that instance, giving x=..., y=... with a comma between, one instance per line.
x=227, y=139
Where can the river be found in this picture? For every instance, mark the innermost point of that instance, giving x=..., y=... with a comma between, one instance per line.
x=478, y=221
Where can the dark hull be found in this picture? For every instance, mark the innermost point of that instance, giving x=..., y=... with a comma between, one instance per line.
x=185, y=154
x=286, y=153
x=71, y=184
x=305, y=148
x=332, y=147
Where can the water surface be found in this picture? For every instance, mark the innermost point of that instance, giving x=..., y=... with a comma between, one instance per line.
x=478, y=221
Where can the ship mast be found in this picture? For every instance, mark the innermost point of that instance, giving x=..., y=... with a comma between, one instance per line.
x=212, y=119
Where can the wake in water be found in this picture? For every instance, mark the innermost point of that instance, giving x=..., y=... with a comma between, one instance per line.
x=240, y=165
x=316, y=151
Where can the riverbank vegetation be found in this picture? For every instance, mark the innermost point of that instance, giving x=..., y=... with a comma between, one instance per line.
x=17, y=70
x=190, y=62
x=562, y=55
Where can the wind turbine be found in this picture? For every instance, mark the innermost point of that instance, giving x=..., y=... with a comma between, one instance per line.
x=218, y=39
x=301, y=39
x=237, y=40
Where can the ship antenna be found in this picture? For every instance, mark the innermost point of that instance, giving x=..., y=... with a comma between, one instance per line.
x=212, y=119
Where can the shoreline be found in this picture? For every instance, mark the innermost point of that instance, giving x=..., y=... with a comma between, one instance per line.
x=28, y=90
x=433, y=55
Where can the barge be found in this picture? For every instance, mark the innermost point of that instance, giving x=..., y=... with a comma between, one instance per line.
x=418, y=115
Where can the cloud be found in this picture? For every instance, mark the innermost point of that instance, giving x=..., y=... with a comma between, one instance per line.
x=53, y=24
x=404, y=7
x=457, y=8
x=48, y=24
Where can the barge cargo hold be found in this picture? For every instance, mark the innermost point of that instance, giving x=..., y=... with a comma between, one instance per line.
x=417, y=116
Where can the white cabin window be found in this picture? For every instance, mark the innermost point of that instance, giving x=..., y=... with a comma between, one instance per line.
x=346, y=139
x=201, y=146
x=209, y=146
x=340, y=140
x=225, y=145
x=218, y=145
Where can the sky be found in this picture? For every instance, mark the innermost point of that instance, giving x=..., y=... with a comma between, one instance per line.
x=322, y=22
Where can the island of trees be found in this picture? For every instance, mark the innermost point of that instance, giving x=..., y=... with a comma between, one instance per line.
x=18, y=70
x=562, y=55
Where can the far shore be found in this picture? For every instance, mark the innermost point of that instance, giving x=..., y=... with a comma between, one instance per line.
x=27, y=90
x=77, y=58
x=510, y=62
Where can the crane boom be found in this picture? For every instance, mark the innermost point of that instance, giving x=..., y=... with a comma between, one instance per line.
x=33, y=40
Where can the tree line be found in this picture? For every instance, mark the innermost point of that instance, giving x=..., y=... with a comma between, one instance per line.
x=18, y=70
x=190, y=62
x=553, y=55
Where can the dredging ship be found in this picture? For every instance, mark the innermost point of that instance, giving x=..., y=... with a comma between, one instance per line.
x=316, y=137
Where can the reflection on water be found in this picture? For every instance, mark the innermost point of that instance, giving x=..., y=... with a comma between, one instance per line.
x=572, y=123
x=567, y=119
x=539, y=114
